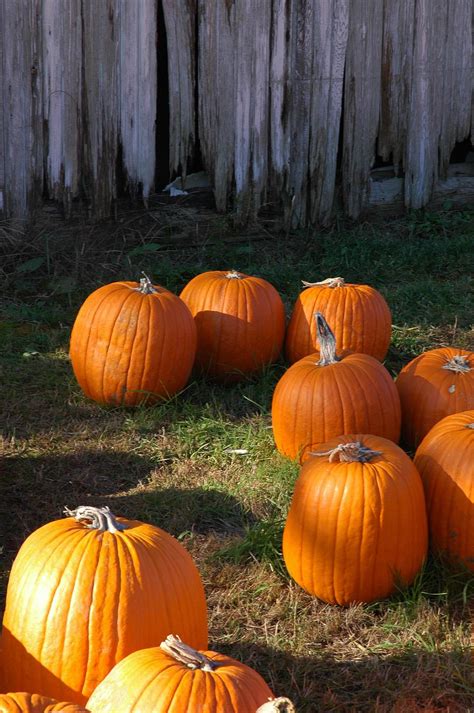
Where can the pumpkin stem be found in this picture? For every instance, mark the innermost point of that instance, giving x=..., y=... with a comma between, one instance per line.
x=458, y=363
x=349, y=453
x=233, y=275
x=470, y=425
x=96, y=518
x=186, y=655
x=277, y=705
x=329, y=282
x=146, y=288
x=327, y=341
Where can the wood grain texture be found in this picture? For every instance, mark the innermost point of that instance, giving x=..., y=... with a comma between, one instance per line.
x=362, y=97
x=181, y=44
x=62, y=80
x=22, y=96
x=138, y=89
x=101, y=28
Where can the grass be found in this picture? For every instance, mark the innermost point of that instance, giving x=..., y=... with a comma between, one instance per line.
x=203, y=465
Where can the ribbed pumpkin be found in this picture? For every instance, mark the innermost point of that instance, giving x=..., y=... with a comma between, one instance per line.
x=33, y=703
x=240, y=323
x=175, y=678
x=324, y=395
x=85, y=591
x=358, y=315
x=435, y=384
x=357, y=521
x=445, y=460
x=132, y=343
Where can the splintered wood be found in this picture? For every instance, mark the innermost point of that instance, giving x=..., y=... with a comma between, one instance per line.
x=288, y=102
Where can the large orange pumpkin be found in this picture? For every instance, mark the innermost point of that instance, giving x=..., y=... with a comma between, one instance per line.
x=358, y=314
x=33, y=703
x=132, y=343
x=357, y=521
x=240, y=323
x=174, y=678
x=85, y=591
x=445, y=460
x=435, y=384
x=324, y=395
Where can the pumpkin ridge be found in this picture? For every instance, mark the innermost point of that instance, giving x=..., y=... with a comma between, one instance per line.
x=130, y=372
x=85, y=348
x=128, y=296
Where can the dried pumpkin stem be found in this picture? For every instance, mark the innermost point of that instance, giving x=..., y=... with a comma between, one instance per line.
x=186, y=655
x=327, y=341
x=96, y=518
x=277, y=705
x=349, y=453
x=329, y=282
x=458, y=364
x=233, y=275
x=470, y=425
x=146, y=288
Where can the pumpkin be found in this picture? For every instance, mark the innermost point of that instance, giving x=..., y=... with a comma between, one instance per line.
x=174, y=678
x=240, y=323
x=277, y=705
x=33, y=703
x=132, y=343
x=358, y=314
x=357, y=526
x=87, y=590
x=445, y=460
x=324, y=395
x=435, y=384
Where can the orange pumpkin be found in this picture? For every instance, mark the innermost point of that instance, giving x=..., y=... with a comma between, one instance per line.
x=85, y=591
x=174, y=678
x=435, y=384
x=324, y=395
x=132, y=344
x=358, y=314
x=357, y=521
x=33, y=703
x=445, y=460
x=240, y=323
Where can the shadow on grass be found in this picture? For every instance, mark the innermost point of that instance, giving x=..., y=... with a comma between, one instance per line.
x=35, y=490
x=415, y=680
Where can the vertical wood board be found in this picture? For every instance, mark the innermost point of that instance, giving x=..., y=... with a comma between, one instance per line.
x=62, y=109
x=138, y=88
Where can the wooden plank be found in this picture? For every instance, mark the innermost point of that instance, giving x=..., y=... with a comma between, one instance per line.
x=138, y=89
x=398, y=30
x=180, y=21
x=329, y=58
x=216, y=93
x=361, y=101
x=22, y=98
x=101, y=28
x=62, y=79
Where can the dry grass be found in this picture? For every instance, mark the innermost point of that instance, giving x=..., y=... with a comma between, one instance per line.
x=172, y=465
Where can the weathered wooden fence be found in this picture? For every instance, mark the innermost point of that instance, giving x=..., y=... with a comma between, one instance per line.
x=289, y=101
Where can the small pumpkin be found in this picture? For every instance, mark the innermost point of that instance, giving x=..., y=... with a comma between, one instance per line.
x=445, y=460
x=34, y=703
x=87, y=590
x=357, y=522
x=325, y=394
x=435, y=384
x=174, y=678
x=240, y=321
x=358, y=314
x=132, y=343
